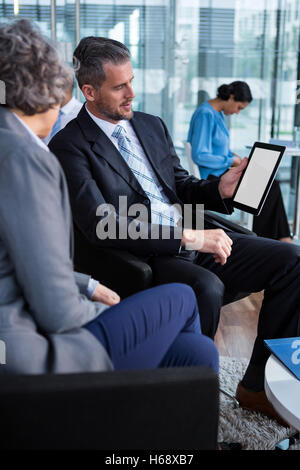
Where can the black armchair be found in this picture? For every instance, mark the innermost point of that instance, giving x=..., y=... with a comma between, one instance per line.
x=176, y=408
x=125, y=273
x=127, y=410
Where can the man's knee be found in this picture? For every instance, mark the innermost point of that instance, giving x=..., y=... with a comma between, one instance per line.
x=211, y=288
x=291, y=251
x=288, y=256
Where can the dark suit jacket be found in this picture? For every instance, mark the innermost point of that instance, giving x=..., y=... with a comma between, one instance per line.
x=97, y=174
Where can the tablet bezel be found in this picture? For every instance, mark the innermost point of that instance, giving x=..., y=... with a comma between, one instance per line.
x=252, y=210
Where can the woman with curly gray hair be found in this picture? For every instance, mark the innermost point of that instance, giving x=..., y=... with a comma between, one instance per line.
x=51, y=318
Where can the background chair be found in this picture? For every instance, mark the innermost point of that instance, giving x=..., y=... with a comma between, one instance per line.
x=175, y=408
x=193, y=168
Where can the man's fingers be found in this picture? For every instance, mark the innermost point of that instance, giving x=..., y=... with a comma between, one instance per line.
x=214, y=241
x=223, y=242
x=220, y=258
x=222, y=248
x=239, y=168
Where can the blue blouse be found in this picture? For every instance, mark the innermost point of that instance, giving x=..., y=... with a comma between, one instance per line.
x=209, y=138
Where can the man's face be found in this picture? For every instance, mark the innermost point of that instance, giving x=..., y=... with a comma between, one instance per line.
x=112, y=101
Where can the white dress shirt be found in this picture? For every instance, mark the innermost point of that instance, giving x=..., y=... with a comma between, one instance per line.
x=70, y=111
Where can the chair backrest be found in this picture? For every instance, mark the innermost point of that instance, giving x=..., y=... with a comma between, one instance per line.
x=194, y=169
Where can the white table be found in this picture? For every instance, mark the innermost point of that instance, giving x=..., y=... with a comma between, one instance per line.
x=283, y=391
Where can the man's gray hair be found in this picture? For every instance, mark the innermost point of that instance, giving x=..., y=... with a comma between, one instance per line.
x=92, y=53
x=30, y=66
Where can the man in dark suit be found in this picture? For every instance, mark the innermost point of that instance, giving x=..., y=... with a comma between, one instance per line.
x=109, y=152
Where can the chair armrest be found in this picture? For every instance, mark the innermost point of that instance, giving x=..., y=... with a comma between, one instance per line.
x=120, y=270
x=227, y=224
x=123, y=272
x=175, y=408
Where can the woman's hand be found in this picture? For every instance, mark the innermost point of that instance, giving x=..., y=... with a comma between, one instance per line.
x=105, y=295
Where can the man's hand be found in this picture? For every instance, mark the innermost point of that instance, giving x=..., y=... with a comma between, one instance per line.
x=105, y=295
x=230, y=179
x=236, y=161
x=214, y=241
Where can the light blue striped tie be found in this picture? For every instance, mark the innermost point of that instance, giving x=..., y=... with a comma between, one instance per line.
x=144, y=177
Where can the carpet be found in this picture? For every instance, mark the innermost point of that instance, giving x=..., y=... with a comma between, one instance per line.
x=253, y=430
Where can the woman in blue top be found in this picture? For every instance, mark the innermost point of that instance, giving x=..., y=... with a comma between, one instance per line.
x=208, y=133
x=209, y=138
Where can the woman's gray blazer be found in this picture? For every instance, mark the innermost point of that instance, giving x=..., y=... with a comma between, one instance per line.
x=42, y=301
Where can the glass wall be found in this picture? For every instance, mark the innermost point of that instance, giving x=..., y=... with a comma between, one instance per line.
x=143, y=26
x=182, y=50
x=38, y=11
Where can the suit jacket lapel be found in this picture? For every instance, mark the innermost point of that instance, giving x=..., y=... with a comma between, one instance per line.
x=148, y=142
x=104, y=148
x=151, y=145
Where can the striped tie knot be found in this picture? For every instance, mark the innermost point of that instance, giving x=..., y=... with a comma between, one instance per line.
x=118, y=132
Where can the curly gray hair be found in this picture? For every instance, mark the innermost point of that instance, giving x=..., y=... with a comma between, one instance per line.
x=34, y=75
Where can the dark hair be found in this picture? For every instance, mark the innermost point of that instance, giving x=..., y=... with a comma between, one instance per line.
x=90, y=55
x=31, y=69
x=239, y=90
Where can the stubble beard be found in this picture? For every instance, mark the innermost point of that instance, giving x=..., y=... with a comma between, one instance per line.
x=112, y=115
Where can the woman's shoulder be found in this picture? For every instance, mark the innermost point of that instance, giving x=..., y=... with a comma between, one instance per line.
x=206, y=108
x=24, y=152
x=204, y=113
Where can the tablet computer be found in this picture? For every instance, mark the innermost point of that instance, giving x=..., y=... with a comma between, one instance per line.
x=257, y=178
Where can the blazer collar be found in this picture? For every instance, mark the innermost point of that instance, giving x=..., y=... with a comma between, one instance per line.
x=104, y=148
x=9, y=121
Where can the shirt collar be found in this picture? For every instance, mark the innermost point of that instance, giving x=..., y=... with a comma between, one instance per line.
x=67, y=108
x=32, y=135
x=106, y=126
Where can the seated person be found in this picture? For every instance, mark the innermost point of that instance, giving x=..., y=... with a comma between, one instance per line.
x=209, y=138
x=109, y=152
x=70, y=106
x=47, y=320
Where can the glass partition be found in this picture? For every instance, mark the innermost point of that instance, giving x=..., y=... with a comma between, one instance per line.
x=182, y=50
x=38, y=11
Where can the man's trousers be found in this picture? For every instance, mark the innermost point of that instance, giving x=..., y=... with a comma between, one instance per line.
x=255, y=264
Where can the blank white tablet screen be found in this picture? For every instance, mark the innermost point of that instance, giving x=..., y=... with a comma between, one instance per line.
x=256, y=177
